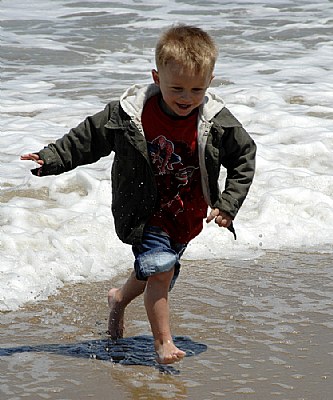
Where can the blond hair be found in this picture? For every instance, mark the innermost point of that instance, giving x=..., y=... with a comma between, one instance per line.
x=190, y=47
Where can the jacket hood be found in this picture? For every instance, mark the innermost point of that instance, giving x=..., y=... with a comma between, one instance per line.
x=135, y=97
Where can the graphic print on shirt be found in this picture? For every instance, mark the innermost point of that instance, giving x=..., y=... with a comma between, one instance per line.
x=162, y=154
x=171, y=172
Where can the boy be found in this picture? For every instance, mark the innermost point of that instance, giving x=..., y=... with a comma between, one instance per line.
x=170, y=139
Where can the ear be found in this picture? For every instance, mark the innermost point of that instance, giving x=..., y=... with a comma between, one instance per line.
x=212, y=77
x=155, y=76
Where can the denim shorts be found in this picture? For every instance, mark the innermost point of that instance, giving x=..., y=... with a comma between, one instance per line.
x=157, y=253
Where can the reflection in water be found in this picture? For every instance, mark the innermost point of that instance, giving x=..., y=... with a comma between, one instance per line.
x=137, y=350
x=131, y=351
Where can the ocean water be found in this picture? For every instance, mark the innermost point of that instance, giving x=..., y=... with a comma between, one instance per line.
x=63, y=60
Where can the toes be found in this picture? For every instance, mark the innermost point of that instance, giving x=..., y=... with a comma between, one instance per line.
x=172, y=358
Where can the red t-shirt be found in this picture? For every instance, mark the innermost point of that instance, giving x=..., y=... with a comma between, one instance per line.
x=172, y=147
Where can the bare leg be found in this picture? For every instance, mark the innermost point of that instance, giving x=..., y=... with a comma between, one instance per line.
x=118, y=299
x=157, y=307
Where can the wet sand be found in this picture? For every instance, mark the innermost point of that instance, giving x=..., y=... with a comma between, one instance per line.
x=258, y=329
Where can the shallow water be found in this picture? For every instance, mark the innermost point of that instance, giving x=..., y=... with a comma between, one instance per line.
x=260, y=329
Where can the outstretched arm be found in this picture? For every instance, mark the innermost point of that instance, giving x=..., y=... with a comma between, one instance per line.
x=85, y=144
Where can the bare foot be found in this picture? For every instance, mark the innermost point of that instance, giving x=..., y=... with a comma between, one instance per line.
x=168, y=353
x=116, y=318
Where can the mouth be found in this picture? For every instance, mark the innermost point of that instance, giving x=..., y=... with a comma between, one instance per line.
x=183, y=106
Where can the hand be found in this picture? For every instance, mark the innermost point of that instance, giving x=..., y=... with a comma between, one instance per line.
x=222, y=218
x=33, y=157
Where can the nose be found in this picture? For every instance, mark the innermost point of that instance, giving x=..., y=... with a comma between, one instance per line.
x=186, y=96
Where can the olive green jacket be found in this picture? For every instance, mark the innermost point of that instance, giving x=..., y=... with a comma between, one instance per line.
x=221, y=141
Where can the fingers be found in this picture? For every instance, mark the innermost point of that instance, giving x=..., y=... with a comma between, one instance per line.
x=222, y=219
x=32, y=157
x=213, y=214
x=223, y=222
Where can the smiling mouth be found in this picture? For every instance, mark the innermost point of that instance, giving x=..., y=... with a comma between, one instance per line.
x=184, y=106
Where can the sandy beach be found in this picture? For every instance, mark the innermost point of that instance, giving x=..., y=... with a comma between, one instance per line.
x=258, y=329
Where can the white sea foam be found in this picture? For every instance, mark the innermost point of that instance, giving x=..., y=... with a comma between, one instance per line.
x=63, y=61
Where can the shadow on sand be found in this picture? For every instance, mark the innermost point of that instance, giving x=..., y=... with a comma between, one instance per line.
x=136, y=350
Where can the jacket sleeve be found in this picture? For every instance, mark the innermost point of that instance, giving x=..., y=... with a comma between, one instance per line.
x=85, y=144
x=237, y=155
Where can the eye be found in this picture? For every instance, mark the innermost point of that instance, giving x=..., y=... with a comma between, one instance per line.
x=198, y=90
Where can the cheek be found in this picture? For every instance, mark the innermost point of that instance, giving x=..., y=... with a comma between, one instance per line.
x=169, y=97
x=199, y=98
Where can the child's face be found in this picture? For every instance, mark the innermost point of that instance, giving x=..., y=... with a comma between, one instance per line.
x=181, y=91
